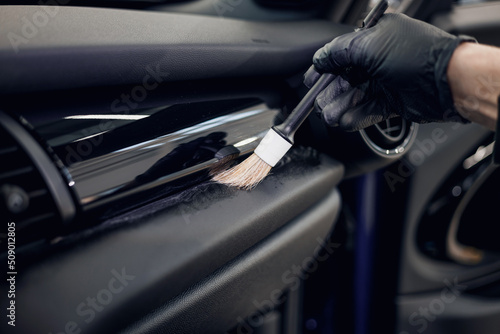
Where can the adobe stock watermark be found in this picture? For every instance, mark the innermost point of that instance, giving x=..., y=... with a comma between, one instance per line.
x=38, y=20
x=421, y=150
x=187, y=212
x=122, y=105
x=88, y=309
x=292, y=278
x=222, y=7
x=427, y=314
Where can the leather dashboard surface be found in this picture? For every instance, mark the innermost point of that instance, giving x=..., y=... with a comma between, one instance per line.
x=92, y=47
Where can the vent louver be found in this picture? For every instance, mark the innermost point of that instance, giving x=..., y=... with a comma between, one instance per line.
x=25, y=196
x=391, y=137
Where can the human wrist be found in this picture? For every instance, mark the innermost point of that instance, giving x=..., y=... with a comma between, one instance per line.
x=474, y=79
x=457, y=71
x=444, y=83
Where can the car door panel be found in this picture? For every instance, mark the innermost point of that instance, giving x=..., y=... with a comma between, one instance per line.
x=224, y=237
x=436, y=294
x=242, y=292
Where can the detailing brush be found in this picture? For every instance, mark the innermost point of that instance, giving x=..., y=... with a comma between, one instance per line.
x=225, y=158
x=274, y=145
x=279, y=139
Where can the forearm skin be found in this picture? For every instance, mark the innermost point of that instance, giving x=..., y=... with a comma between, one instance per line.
x=474, y=79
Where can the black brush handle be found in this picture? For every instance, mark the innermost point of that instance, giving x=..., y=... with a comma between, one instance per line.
x=374, y=15
x=288, y=128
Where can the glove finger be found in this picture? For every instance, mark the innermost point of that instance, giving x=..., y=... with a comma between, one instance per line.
x=311, y=77
x=366, y=114
x=342, y=103
x=335, y=56
x=337, y=87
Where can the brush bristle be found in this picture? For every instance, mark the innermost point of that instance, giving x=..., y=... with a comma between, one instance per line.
x=246, y=175
x=222, y=165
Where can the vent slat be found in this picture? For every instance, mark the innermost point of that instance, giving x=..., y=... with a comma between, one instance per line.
x=37, y=193
x=8, y=150
x=17, y=172
x=34, y=219
x=40, y=218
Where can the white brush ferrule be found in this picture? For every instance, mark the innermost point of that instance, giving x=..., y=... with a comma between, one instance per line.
x=272, y=148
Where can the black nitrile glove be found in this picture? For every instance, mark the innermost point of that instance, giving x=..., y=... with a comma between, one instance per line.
x=396, y=68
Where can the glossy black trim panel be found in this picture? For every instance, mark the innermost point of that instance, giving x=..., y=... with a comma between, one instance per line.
x=114, y=155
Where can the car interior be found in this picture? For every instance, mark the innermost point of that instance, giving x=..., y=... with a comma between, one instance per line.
x=114, y=116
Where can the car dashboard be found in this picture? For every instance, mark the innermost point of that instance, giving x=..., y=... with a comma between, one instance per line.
x=112, y=122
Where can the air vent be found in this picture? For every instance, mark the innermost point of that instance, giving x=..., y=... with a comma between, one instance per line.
x=25, y=196
x=390, y=137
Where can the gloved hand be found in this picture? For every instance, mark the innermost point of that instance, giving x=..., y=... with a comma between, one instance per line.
x=397, y=67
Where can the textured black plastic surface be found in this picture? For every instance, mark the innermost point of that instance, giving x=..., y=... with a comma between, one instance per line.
x=87, y=47
x=247, y=285
x=448, y=310
x=433, y=163
x=170, y=245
